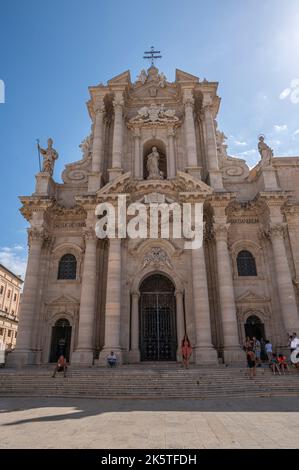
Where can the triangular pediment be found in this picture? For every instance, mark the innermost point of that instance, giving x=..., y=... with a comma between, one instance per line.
x=149, y=92
x=121, y=79
x=250, y=296
x=181, y=76
x=63, y=299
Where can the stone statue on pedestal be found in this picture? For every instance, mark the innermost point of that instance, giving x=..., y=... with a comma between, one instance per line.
x=49, y=155
x=152, y=165
x=265, y=151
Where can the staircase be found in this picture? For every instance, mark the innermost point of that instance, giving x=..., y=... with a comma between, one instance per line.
x=148, y=381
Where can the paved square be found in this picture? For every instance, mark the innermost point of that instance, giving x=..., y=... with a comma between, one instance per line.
x=86, y=423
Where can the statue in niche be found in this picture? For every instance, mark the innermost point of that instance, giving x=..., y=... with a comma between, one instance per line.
x=152, y=165
x=49, y=155
x=265, y=151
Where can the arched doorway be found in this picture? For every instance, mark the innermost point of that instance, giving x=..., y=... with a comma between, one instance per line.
x=254, y=327
x=61, y=340
x=158, y=337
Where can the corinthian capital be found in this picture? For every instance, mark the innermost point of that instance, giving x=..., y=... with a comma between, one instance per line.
x=36, y=235
x=188, y=101
x=118, y=102
x=99, y=108
x=220, y=231
x=89, y=234
x=277, y=230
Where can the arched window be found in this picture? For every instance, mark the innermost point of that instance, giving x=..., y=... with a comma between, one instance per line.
x=67, y=267
x=246, y=264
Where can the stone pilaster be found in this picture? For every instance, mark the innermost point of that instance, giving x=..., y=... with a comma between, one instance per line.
x=113, y=302
x=190, y=137
x=84, y=351
x=94, y=180
x=23, y=353
x=180, y=321
x=171, y=158
x=215, y=175
x=284, y=279
x=204, y=352
x=134, y=354
x=137, y=155
x=232, y=351
x=117, y=146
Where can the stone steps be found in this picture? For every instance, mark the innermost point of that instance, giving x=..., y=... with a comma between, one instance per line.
x=140, y=382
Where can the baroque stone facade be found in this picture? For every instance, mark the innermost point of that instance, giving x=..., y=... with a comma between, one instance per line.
x=10, y=294
x=138, y=297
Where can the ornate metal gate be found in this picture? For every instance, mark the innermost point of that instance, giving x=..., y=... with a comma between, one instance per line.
x=158, y=338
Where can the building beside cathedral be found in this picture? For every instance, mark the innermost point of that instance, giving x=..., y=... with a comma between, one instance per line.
x=157, y=142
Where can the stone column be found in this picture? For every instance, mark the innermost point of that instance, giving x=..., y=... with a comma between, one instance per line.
x=215, y=175
x=204, y=352
x=171, y=156
x=137, y=158
x=23, y=353
x=94, y=181
x=84, y=351
x=232, y=350
x=113, y=302
x=284, y=279
x=190, y=132
x=180, y=321
x=134, y=355
x=117, y=146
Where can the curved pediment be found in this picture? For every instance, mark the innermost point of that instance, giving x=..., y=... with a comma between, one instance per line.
x=183, y=184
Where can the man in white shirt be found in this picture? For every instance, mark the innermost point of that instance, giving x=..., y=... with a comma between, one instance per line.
x=295, y=342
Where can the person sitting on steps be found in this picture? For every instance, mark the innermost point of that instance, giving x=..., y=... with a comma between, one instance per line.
x=111, y=359
x=60, y=366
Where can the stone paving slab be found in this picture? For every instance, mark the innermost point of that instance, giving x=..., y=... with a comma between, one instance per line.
x=48, y=423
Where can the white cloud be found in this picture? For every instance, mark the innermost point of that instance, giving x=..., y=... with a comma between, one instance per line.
x=240, y=144
x=13, y=259
x=284, y=93
x=247, y=153
x=281, y=128
x=296, y=133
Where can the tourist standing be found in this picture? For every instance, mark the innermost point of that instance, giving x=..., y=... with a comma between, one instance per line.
x=257, y=350
x=60, y=366
x=251, y=362
x=269, y=350
x=186, y=351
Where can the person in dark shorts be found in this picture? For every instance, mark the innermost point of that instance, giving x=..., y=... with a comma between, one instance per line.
x=251, y=362
x=60, y=366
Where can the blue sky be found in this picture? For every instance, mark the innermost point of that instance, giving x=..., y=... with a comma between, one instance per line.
x=51, y=51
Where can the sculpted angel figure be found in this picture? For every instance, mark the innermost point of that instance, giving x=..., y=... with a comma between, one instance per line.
x=152, y=165
x=49, y=155
x=142, y=77
x=265, y=151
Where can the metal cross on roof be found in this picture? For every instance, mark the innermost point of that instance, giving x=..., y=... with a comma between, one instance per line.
x=151, y=55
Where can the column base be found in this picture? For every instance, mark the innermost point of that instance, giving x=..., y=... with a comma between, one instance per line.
x=94, y=182
x=106, y=351
x=233, y=355
x=194, y=171
x=82, y=357
x=205, y=356
x=114, y=173
x=215, y=180
x=21, y=358
x=134, y=356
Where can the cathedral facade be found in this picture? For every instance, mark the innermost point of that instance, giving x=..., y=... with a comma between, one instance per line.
x=158, y=142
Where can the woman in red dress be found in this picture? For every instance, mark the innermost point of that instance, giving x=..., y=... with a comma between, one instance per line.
x=186, y=351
